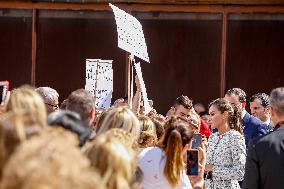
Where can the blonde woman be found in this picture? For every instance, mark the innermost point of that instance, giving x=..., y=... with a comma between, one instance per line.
x=148, y=136
x=120, y=117
x=113, y=160
x=25, y=100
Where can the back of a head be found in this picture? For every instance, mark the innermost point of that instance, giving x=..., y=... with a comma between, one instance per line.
x=81, y=102
x=177, y=135
x=113, y=160
x=49, y=162
x=15, y=128
x=25, y=100
x=159, y=126
x=124, y=137
x=277, y=101
x=148, y=136
x=184, y=101
x=70, y=121
x=238, y=92
x=120, y=117
x=49, y=95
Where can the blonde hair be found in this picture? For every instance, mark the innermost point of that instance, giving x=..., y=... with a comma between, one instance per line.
x=124, y=137
x=114, y=161
x=100, y=118
x=15, y=128
x=148, y=136
x=120, y=117
x=49, y=161
x=25, y=100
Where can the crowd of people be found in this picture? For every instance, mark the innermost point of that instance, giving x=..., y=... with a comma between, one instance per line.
x=44, y=144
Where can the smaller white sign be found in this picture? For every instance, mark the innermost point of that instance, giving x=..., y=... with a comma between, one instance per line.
x=99, y=81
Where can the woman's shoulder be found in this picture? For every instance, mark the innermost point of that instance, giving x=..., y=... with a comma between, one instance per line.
x=150, y=151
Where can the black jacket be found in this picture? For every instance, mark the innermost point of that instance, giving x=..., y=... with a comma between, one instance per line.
x=265, y=162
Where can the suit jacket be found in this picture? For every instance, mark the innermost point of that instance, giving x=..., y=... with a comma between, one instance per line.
x=253, y=127
x=265, y=162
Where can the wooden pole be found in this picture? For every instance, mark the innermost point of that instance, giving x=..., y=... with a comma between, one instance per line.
x=128, y=75
x=34, y=47
x=223, y=56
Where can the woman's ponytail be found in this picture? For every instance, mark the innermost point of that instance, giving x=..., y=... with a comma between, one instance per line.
x=174, y=163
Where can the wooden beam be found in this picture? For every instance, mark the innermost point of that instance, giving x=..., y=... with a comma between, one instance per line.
x=34, y=47
x=176, y=2
x=223, y=55
x=146, y=7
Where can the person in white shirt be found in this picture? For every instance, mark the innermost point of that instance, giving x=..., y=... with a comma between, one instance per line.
x=163, y=167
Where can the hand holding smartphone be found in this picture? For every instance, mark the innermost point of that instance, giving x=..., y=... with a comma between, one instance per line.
x=192, y=162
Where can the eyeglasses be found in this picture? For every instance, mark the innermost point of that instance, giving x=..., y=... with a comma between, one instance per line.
x=55, y=106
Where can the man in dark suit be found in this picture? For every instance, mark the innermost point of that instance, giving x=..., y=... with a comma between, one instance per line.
x=265, y=156
x=252, y=127
x=259, y=107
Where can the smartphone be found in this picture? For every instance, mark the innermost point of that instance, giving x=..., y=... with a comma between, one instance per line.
x=192, y=162
x=196, y=141
x=4, y=88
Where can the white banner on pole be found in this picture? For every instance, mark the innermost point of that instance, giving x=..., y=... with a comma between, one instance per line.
x=99, y=81
x=130, y=34
x=143, y=88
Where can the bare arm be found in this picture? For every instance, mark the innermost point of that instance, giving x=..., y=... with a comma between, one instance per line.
x=137, y=97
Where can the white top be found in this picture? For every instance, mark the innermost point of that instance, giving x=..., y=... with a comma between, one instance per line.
x=152, y=162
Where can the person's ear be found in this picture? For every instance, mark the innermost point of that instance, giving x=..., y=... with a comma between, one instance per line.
x=225, y=114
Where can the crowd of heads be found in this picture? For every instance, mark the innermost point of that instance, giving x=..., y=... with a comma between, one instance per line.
x=81, y=147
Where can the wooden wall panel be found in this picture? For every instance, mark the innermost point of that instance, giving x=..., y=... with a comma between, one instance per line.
x=15, y=48
x=63, y=46
x=185, y=59
x=255, y=55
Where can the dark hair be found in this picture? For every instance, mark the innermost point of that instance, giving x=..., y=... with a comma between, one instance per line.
x=262, y=97
x=81, y=102
x=177, y=135
x=63, y=104
x=70, y=121
x=184, y=101
x=234, y=113
x=277, y=100
x=237, y=91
